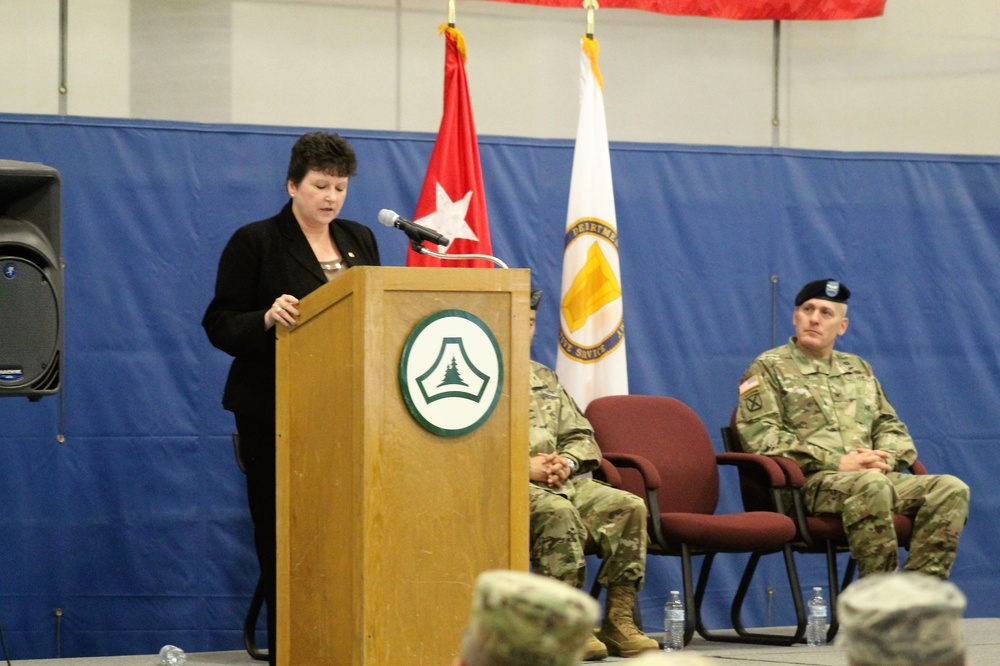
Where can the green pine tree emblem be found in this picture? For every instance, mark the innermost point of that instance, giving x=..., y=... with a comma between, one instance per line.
x=451, y=375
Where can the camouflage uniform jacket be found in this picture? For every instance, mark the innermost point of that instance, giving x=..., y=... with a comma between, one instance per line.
x=556, y=425
x=793, y=406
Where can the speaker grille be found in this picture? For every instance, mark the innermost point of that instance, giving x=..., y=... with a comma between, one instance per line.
x=29, y=325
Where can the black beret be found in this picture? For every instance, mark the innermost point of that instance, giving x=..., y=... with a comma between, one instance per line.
x=827, y=289
x=536, y=297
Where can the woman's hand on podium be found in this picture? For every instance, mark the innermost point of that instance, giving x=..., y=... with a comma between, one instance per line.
x=282, y=311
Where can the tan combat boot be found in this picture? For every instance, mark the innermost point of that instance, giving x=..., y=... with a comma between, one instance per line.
x=594, y=649
x=618, y=631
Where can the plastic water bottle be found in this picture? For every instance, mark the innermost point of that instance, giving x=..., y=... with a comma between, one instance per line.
x=816, y=626
x=673, y=623
x=171, y=655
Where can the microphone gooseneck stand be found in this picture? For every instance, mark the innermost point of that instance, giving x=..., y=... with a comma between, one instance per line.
x=419, y=248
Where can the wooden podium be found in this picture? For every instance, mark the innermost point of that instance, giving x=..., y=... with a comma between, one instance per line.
x=382, y=525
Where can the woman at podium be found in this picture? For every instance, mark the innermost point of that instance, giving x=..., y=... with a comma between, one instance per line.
x=265, y=268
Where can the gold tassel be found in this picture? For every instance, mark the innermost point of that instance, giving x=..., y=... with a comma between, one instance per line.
x=593, y=49
x=459, y=39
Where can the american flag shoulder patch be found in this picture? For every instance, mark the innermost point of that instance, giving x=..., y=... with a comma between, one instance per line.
x=750, y=384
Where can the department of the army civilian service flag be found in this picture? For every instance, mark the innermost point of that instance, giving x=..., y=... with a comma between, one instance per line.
x=777, y=10
x=452, y=200
x=591, y=359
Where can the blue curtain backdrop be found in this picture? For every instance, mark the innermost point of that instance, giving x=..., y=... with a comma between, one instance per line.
x=136, y=526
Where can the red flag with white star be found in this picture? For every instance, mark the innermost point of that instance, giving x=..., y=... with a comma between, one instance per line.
x=452, y=200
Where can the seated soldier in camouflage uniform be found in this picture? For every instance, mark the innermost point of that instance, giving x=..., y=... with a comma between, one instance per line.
x=825, y=410
x=563, y=507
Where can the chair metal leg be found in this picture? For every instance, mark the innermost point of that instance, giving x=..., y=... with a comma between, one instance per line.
x=699, y=593
x=736, y=611
x=691, y=617
x=250, y=624
x=800, y=607
x=834, y=586
x=849, y=572
x=794, y=586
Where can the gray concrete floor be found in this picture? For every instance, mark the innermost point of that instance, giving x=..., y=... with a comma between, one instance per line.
x=982, y=636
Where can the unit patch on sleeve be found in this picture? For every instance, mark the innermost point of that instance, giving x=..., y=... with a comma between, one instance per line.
x=750, y=395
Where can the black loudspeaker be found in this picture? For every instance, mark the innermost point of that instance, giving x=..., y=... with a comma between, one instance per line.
x=31, y=284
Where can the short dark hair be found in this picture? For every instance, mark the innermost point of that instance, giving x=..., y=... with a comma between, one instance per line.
x=322, y=151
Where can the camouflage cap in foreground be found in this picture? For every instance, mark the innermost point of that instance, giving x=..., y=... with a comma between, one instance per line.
x=530, y=619
x=900, y=619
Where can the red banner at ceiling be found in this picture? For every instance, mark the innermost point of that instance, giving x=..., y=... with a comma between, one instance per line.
x=817, y=10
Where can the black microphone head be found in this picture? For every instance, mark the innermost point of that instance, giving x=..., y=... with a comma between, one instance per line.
x=387, y=217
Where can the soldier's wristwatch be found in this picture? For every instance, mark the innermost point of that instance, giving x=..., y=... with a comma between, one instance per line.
x=573, y=465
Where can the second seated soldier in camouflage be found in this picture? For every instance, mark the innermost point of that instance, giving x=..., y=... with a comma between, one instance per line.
x=564, y=507
x=825, y=410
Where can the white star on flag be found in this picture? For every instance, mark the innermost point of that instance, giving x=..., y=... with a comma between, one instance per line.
x=449, y=218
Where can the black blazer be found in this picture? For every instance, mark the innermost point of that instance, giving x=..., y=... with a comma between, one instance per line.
x=262, y=261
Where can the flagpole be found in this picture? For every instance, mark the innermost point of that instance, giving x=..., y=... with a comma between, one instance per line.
x=451, y=13
x=776, y=87
x=590, y=6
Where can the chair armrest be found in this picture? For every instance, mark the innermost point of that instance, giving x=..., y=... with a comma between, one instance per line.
x=608, y=473
x=776, y=475
x=793, y=473
x=795, y=479
x=648, y=472
x=765, y=481
x=733, y=444
x=918, y=468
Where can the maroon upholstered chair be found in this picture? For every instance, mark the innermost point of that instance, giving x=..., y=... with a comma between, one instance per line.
x=821, y=533
x=663, y=454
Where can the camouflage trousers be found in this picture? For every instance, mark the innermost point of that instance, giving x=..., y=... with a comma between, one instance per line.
x=616, y=519
x=938, y=503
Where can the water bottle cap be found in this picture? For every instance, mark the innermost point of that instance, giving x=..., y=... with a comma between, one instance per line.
x=674, y=592
x=817, y=589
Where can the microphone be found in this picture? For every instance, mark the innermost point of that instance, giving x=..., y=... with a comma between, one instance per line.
x=415, y=231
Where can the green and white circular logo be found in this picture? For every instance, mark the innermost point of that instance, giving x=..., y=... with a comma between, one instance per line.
x=451, y=372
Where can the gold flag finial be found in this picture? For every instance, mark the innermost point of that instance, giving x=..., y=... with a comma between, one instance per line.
x=590, y=6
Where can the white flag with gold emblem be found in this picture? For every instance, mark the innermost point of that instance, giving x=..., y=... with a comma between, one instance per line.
x=591, y=360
